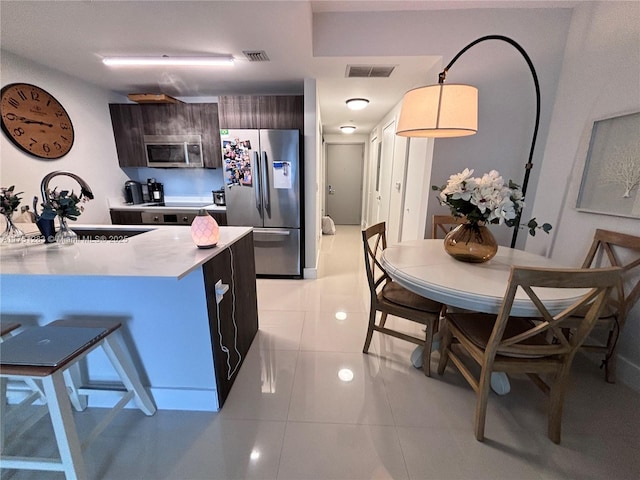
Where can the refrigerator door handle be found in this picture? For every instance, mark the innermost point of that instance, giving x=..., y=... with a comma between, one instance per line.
x=271, y=231
x=265, y=184
x=256, y=162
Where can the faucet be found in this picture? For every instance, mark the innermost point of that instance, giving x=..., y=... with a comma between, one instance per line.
x=85, y=190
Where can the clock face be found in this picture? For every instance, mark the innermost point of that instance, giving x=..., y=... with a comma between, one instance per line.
x=35, y=121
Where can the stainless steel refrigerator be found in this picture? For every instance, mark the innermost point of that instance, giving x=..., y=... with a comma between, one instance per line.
x=263, y=189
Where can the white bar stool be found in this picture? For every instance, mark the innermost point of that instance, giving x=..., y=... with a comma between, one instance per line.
x=91, y=336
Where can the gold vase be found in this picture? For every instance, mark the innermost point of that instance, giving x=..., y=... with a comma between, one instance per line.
x=471, y=243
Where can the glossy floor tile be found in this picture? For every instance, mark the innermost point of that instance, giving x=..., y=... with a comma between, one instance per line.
x=308, y=404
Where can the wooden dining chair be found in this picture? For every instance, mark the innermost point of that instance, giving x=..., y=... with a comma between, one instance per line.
x=619, y=250
x=443, y=224
x=390, y=298
x=502, y=343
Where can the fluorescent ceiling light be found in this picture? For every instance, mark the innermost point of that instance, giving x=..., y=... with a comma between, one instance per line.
x=357, y=103
x=348, y=129
x=177, y=61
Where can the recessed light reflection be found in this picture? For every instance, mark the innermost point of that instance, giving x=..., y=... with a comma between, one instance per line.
x=345, y=374
x=255, y=455
x=341, y=315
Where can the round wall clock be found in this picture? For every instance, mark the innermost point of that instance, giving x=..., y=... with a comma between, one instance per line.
x=35, y=121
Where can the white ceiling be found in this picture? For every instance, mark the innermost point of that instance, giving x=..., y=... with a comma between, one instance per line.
x=73, y=36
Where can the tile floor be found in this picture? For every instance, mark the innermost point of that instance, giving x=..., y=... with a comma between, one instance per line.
x=289, y=416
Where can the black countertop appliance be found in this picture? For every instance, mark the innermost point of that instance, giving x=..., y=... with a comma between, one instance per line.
x=156, y=190
x=133, y=193
x=219, y=197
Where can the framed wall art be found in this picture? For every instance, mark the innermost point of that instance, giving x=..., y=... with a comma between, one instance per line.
x=611, y=177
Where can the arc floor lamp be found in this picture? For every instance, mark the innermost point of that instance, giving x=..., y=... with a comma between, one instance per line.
x=451, y=110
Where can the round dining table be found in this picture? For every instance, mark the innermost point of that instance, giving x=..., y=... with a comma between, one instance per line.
x=424, y=267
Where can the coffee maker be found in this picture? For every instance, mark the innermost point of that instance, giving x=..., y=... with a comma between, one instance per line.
x=133, y=193
x=156, y=191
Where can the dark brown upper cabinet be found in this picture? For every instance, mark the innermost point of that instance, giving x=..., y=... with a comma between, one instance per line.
x=265, y=111
x=126, y=120
x=132, y=121
x=239, y=111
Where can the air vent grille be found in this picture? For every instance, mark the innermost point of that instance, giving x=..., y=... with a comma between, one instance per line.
x=369, y=71
x=256, y=55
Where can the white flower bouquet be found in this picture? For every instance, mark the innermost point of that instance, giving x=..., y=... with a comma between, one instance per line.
x=485, y=200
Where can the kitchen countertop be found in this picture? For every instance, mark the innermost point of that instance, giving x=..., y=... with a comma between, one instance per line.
x=118, y=204
x=161, y=251
x=153, y=206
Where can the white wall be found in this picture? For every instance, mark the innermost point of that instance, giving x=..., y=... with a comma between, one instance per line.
x=600, y=78
x=312, y=174
x=93, y=155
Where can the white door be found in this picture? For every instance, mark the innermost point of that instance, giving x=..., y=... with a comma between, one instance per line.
x=375, y=153
x=418, y=191
x=385, y=168
x=397, y=190
x=345, y=163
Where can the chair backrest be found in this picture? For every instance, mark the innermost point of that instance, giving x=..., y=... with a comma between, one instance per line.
x=618, y=250
x=598, y=281
x=374, y=240
x=443, y=224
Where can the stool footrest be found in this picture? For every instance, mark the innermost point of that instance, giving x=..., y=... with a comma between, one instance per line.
x=42, y=410
x=19, y=407
x=32, y=463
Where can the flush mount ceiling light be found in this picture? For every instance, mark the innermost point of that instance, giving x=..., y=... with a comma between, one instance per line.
x=357, y=103
x=347, y=129
x=165, y=60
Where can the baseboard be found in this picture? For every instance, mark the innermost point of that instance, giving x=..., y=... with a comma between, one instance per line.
x=310, y=273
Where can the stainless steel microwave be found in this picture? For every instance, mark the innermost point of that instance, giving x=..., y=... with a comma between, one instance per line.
x=181, y=151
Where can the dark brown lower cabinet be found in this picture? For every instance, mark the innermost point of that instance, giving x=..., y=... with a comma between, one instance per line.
x=134, y=217
x=126, y=217
x=220, y=217
x=233, y=318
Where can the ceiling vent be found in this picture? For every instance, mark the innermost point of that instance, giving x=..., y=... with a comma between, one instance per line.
x=256, y=55
x=369, y=71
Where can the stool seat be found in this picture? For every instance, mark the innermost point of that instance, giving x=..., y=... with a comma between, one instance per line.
x=40, y=351
x=104, y=334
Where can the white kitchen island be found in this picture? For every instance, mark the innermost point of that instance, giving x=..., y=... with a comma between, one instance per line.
x=187, y=347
